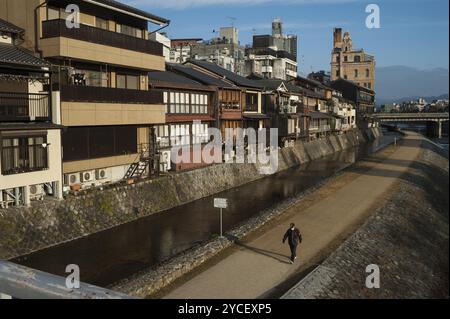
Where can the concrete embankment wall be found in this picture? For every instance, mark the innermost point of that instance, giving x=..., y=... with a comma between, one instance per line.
x=24, y=230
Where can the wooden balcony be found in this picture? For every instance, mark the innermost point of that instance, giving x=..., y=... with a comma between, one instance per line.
x=58, y=28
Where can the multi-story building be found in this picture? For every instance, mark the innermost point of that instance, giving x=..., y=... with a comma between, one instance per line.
x=230, y=107
x=284, y=105
x=344, y=112
x=363, y=99
x=273, y=56
x=30, y=139
x=162, y=38
x=190, y=112
x=103, y=64
x=278, y=40
x=224, y=51
x=253, y=113
x=181, y=49
x=351, y=64
x=271, y=64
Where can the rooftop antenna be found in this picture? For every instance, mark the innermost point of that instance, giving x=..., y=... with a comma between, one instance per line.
x=233, y=20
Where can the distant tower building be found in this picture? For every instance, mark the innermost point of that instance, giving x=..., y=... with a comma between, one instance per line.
x=277, y=28
x=350, y=64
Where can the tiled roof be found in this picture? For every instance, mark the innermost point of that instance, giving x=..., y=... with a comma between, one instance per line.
x=199, y=76
x=167, y=76
x=5, y=26
x=11, y=54
x=230, y=76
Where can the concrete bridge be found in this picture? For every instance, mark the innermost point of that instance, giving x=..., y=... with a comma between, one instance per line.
x=433, y=120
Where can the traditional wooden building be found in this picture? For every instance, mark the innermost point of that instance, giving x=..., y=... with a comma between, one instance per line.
x=30, y=139
x=191, y=109
x=229, y=96
x=362, y=97
x=253, y=112
x=284, y=105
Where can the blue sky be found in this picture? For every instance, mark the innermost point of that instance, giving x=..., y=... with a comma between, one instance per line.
x=413, y=32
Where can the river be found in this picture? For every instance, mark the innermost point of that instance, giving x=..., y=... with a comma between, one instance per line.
x=111, y=255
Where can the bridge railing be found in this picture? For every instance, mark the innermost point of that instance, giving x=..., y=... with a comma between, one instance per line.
x=20, y=282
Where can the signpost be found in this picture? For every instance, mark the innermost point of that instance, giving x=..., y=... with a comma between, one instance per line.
x=221, y=203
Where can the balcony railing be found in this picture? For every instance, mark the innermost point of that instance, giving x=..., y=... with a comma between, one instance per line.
x=58, y=28
x=79, y=93
x=26, y=107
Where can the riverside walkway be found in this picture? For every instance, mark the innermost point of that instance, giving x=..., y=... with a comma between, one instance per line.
x=260, y=266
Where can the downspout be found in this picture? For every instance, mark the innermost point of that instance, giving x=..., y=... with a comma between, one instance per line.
x=36, y=28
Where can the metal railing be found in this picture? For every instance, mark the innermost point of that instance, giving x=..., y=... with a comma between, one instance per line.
x=24, y=106
x=25, y=283
x=58, y=28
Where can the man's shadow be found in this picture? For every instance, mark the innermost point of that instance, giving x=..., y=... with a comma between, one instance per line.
x=278, y=257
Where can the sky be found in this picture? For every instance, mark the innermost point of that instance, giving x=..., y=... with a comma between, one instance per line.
x=412, y=33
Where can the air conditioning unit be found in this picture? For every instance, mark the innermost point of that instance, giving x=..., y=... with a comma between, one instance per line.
x=87, y=177
x=102, y=174
x=72, y=179
x=37, y=192
x=165, y=161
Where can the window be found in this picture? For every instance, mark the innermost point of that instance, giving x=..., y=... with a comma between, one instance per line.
x=81, y=143
x=23, y=154
x=367, y=73
x=162, y=135
x=92, y=78
x=338, y=73
x=101, y=23
x=356, y=73
x=251, y=102
x=369, y=85
x=130, y=82
x=345, y=58
x=357, y=58
x=180, y=134
x=200, y=133
x=131, y=31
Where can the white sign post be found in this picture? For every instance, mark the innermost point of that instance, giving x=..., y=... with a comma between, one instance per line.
x=221, y=203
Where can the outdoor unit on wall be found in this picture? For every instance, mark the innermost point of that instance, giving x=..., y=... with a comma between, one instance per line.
x=165, y=161
x=72, y=179
x=102, y=174
x=37, y=192
x=87, y=177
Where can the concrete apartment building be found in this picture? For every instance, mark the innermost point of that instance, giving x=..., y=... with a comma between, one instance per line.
x=30, y=141
x=224, y=51
x=351, y=64
x=273, y=56
x=102, y=81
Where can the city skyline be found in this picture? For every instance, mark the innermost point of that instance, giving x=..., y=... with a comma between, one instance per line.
x=313, y=21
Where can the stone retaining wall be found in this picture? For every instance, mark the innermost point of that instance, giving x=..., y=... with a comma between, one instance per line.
x=24, y=230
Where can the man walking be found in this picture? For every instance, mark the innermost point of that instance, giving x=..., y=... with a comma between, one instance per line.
x=294, y=238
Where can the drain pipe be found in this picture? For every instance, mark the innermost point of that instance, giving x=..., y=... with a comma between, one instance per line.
x=36, y=28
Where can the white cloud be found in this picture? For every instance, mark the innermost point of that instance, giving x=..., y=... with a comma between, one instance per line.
x=183, y=4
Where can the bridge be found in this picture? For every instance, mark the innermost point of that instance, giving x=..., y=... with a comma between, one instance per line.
x=434, y=120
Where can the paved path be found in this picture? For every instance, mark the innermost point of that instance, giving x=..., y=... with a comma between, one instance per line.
x=254, y=269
